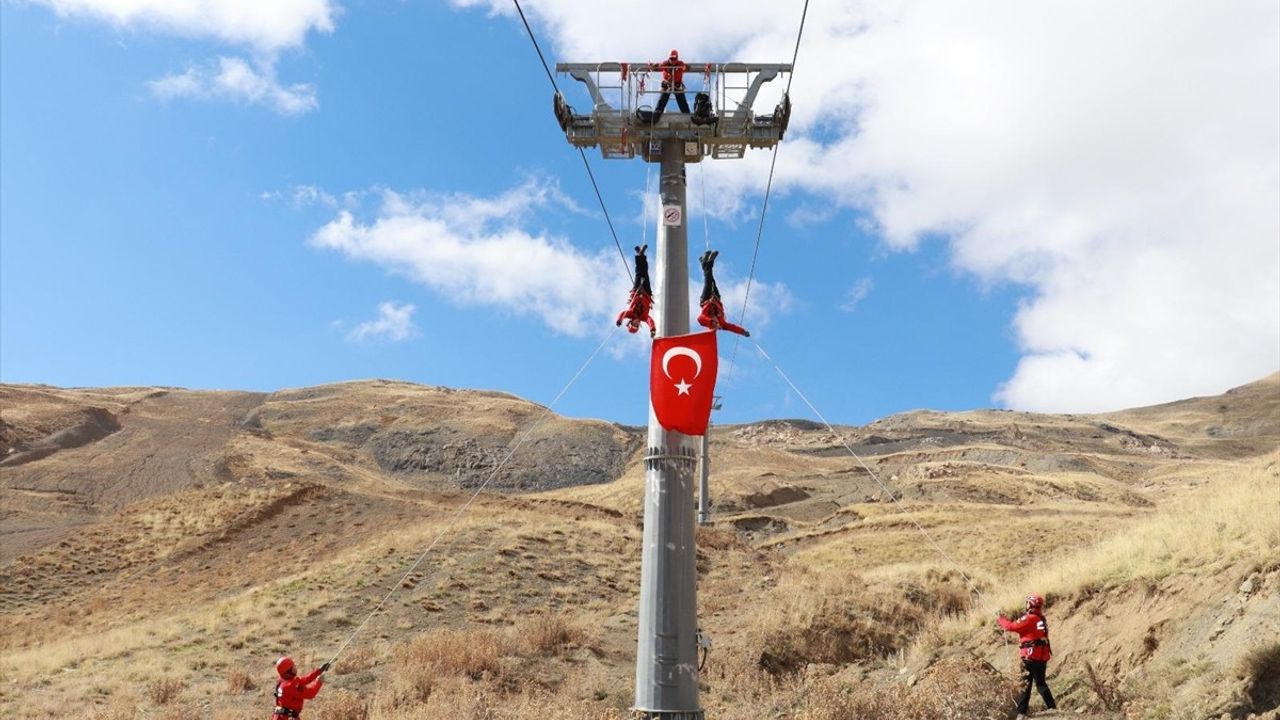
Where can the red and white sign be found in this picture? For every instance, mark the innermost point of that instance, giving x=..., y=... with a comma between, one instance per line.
x=682, y=381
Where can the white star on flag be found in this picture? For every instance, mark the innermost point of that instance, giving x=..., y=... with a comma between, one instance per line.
x=683, y=387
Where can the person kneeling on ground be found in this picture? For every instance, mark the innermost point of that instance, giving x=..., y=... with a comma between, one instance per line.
x=1033, y=634
x=292, y=691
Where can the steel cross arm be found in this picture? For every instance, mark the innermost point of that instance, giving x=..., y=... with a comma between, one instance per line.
x=583, y=72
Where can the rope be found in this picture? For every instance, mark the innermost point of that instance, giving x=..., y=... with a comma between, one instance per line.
x=547, y=68
x=901, y=508
x=644, y=208
x=463, y=508
x=706, y=227
x=764, y=206
x=605, y=210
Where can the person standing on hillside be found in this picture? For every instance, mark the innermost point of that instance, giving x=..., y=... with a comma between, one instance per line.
x=292, y=691
x=1033, y=634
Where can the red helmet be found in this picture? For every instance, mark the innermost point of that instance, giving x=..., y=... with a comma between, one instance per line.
x=284, y=666
x=1034, y=602
x=675, y=55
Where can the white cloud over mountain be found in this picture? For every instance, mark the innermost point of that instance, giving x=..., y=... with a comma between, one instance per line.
x=1120, y=161
x=394, y=323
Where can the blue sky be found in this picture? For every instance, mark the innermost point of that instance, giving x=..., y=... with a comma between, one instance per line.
x=157, y=228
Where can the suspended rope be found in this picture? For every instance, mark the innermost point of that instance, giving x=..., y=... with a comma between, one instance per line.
x=596, y=186
x=644, y=208
x=457, y=515
x=768, y=187
x=876, y=478
x=706, y=227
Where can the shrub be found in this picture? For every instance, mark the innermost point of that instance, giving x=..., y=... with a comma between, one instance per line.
x=953, y=688
x=163, y=691
x=359, y=658
x=552, y=634
x=1108, y=691
x=239, y=681
x=1260, y=668
x=339, y=705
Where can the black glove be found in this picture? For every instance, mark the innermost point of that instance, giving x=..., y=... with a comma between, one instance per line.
x=324, y=668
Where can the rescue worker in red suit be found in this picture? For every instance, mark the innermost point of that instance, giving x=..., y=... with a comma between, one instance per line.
x=712, y=315
x=672, y=80
x=1033, y=634
x=641, y=298
x=292, y=691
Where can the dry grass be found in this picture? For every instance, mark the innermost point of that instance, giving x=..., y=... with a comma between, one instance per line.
x=835, y=617
x=338, y=705
x=1107, y=690
x=829, y=610
x=554, y=633
x=1228, y=523
x=239, y=681
x=953, y=689
x=163, y=691
x=355, y=659
x=1260, y=668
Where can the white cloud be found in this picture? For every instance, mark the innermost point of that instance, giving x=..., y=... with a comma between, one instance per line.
x=477, y=251
x=264, y=26
x=767, y=300
x=237, y=80
x=473, y=251
x=856, y=294
x=394, y=322
x=1122, y=161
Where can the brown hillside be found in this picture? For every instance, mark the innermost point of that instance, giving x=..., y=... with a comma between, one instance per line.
x=161, y=547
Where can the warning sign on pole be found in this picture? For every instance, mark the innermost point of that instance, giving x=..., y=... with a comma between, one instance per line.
x=672, y=215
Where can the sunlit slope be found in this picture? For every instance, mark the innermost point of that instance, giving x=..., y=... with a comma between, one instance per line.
x=160, y=534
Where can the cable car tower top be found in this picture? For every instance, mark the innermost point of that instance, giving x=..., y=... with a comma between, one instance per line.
x=723, y=123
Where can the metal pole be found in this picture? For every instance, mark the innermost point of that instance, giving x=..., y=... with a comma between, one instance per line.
x=667, y=647
x=704, y=482
x=704, y=472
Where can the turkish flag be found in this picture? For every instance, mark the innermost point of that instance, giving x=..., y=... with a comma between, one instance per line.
x=682, y=381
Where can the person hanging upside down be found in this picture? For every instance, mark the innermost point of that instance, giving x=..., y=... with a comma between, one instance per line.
x=712, y=315
x=641, y=298
x=292, y=691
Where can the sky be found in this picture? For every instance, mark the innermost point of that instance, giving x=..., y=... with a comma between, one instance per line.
x=1051, y=206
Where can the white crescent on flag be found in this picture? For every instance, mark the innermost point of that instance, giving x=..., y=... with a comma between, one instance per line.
x=676, y=352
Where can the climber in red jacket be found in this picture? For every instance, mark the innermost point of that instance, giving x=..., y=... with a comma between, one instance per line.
x=292, y=691
x=641, y=298
x=672, y=80
x=712, y=315
x=1033, y=634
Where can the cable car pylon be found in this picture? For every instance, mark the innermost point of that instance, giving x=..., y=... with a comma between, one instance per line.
x=721, y=125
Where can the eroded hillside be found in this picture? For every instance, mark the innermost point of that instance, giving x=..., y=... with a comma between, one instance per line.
x=161, y=547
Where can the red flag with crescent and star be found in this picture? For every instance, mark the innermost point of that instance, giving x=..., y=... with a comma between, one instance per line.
x=682, y=381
